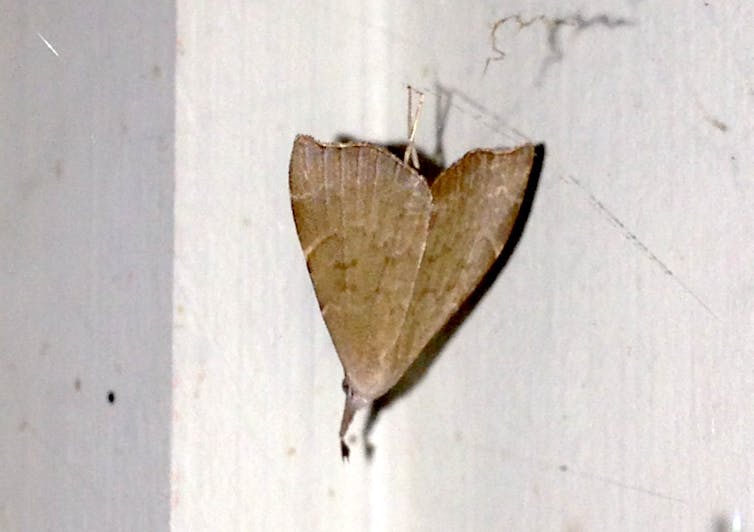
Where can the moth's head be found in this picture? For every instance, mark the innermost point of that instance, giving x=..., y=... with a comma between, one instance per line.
x=354, y=398
x=354, y=401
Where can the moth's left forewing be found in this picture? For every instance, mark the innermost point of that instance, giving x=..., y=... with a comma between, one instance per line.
x=475, y=204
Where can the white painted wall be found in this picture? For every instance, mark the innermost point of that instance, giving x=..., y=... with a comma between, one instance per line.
x=86, y=195
x=602, y=383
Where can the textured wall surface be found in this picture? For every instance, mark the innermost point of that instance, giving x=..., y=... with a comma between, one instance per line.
x=602, y=382
x=86, y=195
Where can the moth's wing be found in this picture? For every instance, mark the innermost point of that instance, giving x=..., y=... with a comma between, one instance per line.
x=476, y=202
x=362, y=218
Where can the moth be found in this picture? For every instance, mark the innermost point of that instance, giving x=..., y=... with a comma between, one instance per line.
x=392, y=258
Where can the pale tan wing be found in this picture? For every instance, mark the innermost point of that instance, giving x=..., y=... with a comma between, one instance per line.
x=476, y=202
x=362, y=219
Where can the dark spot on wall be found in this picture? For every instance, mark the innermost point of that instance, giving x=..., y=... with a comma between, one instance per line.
x=717, y=123
x=111, y=397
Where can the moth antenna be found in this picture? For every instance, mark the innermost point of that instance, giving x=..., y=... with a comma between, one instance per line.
x=413, y=123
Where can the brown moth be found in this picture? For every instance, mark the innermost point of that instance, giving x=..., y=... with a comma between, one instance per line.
x=391, y=258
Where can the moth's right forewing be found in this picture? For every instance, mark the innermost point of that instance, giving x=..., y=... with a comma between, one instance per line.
x=362, y=217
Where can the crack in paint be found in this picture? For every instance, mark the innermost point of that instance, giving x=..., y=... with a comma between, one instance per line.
x=641, y=246
x=554, y=34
